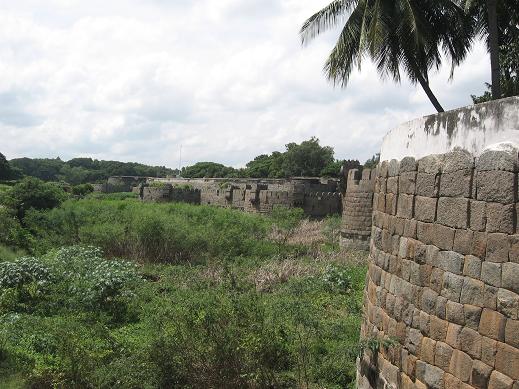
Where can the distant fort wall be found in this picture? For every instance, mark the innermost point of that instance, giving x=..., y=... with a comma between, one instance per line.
x=316, y=196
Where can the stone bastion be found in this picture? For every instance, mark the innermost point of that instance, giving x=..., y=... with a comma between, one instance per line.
x=441, y=304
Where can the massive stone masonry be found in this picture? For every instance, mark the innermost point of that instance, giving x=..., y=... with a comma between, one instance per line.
x=316, y=196
x=357, y=209
x=443, y=279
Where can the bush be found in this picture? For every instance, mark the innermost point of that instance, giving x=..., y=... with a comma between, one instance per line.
x=170, y=232
x=82, y=189
x=75, y=278
x=33, y=193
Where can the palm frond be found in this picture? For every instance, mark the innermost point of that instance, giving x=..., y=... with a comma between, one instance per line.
x=328, y=17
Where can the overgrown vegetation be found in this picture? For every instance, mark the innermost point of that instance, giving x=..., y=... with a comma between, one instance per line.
x=204, y=297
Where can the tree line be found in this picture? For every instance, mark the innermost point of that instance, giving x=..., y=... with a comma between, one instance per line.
x=308, y=159
x=415, y=36
x=77, y=170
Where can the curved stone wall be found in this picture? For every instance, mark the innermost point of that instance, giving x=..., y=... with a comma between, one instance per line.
x=443, y=277
x=357, y=208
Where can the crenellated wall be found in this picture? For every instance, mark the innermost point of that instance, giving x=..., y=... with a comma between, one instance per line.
x=357, y=208
x=167, y=193
x=443, y=278
x=317, y=197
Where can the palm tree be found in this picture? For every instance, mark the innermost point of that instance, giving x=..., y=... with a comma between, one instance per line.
x=485, y=13
x=396, y=34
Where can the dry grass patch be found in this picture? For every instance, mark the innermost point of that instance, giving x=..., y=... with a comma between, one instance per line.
x=275, y=273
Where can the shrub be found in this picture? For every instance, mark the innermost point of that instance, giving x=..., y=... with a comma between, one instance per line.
x=338, y=278
x=82, y=189
x=33, y=193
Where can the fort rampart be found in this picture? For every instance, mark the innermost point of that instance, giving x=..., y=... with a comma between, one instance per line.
x=442, y=292
x=357, y=209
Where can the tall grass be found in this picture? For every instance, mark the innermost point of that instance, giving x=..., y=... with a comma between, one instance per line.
x=172, y=232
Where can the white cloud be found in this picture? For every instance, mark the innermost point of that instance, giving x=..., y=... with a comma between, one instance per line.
x=228, y=79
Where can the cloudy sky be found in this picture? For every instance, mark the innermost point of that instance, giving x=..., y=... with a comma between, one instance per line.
x=132, y=80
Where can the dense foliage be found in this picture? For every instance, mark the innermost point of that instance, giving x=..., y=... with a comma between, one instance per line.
x=413, y=37
x=308, y=159
x=33, y=193
x=85, y=170
x=508, y=24
x=5, y=168
x=219, y=301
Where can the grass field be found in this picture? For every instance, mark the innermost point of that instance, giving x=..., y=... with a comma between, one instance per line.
x=204, y=297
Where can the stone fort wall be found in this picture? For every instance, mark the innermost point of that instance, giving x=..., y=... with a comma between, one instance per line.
x=357, y=209
x=443, y=277
x=317, y=197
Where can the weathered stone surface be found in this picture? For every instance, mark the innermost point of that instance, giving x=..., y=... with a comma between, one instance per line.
x=430, y=164
x=451, y=261
x=461, y=365
x=453, y=212
x=499, y=381
x=408, y=164
x=470, y=342
x=441, y=307
x=495, y=186
x=443, y=354
x=497, y=160
x=479, y=244
x=431, y=254
x=428, y=301
x=456, y=184
x=443, y=237
x=490, y=297
x=491, y=273
x=407, y=183
x=507, y=360
x=480, y=374
x=508, y=303
x=452, y=286
x=498, y=246
x=427, y=185
x=391, y=203
x=488, y=350
x=452, y=337
x=455, y=313
x=425, y=208
x=451, y=382
x=478, y=216
x=513, y=255
x=472, y=316
x=436, y=280
x=492, y=324
x=428, y=350
x=512, y=333
x=472, y=267
x=510, y=276
x=456, y=160
x=500, y=218
x=463, y=241
x=392, y=185
x=405, y=207
x=393, y=168
x=433, y=377
x=438, y=329
x=472, y=292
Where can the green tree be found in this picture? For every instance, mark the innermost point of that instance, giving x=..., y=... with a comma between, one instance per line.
x=32, y=192
x=396, y=34
x=5, y=168
x=208, y=169
x=505, y=75
x=307, y=159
